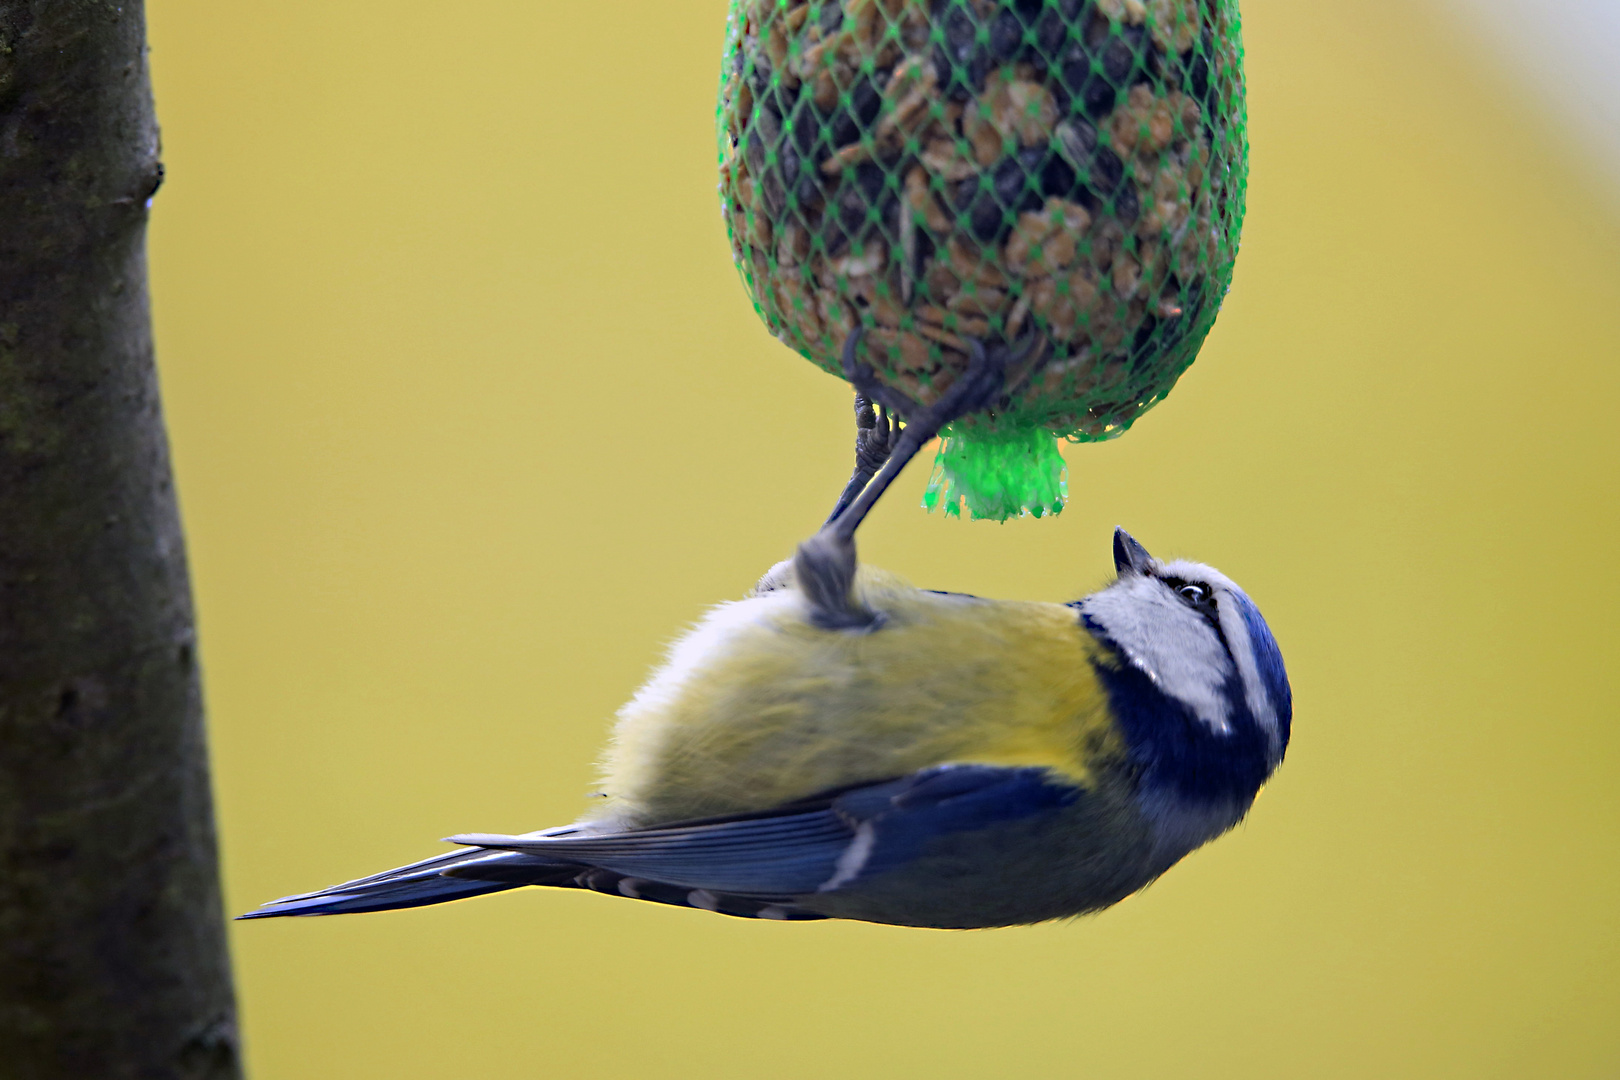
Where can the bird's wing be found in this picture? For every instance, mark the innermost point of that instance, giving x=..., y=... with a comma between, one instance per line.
x=806, y=848
x=775, y=855
x=748, y=865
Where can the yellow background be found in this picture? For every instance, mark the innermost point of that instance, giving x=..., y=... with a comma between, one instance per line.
x=471, y=416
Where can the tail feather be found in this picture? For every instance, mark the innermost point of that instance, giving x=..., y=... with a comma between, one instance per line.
x=415, y=885
x=458, y=875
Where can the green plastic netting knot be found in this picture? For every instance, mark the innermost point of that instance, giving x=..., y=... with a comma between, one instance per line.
x=995, y=475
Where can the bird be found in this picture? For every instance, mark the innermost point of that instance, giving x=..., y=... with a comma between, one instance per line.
x=950, y=761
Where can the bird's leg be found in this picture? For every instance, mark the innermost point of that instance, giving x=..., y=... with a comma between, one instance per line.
x=973, y=390
x=825, y=564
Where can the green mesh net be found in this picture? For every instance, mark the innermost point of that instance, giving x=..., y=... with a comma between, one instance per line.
x=940, y=171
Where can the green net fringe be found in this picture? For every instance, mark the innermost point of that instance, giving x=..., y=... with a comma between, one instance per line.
x=996, y=475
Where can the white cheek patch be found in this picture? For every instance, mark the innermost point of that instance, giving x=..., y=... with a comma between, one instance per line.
x=1168, y=642
x=1254, y=689
x=1229, y=603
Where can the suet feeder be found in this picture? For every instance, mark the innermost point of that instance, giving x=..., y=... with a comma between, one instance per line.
x=940, y=172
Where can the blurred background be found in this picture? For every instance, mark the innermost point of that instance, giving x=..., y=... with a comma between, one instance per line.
x=471, y=417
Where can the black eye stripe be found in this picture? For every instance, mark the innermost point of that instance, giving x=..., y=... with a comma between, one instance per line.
x=1204, y=607
x=1199, y=597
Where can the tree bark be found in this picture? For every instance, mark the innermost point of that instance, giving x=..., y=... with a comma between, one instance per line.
x=112, y=947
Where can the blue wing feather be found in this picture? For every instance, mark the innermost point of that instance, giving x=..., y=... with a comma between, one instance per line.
x=775, y=856
x=937, y=802
x=798, y=852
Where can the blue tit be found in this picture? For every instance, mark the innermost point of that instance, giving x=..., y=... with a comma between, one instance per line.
x=951, y=762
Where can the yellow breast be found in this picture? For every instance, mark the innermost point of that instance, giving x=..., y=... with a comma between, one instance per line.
x=756, y=707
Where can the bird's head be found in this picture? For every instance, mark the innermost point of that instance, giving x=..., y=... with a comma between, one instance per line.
x=1201, y=642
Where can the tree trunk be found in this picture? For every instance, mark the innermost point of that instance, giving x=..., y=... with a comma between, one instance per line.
x=112, y=946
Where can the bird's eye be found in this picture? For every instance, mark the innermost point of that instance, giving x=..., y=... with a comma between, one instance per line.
x=1196, y=595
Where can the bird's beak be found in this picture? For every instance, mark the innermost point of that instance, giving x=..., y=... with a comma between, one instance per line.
x=1129, y=556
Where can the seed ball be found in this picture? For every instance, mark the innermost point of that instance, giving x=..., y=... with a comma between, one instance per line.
x=943, y=171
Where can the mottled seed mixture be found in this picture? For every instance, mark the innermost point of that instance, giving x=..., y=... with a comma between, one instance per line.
x=940, y=170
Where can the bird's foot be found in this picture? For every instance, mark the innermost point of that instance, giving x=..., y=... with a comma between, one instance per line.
x=877, y=433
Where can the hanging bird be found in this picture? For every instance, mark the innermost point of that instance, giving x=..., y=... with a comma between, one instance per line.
x=946, y=761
